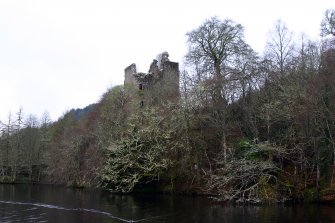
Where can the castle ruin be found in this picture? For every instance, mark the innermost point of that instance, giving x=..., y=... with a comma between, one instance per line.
x=160, y=84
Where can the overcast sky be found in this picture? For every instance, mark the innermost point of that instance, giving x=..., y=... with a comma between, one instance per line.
x=61, y=54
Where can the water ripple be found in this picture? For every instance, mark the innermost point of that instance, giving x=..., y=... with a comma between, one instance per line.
x=49, y=206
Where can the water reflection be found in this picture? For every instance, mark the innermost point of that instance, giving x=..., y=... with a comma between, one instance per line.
x=24, y=203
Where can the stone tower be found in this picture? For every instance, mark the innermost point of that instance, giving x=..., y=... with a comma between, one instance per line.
x=160, y=84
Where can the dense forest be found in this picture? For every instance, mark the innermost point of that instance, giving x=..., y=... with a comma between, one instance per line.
x=246, y=127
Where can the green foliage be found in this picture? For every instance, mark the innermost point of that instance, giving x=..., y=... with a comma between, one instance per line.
x=6, y=179
x=311, y=194
x=248, y=150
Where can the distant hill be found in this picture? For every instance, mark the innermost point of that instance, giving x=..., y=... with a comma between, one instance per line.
x=81, y=113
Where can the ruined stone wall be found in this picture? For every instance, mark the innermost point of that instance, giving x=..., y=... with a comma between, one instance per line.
x=170, y=78
x=160, y=84
x=129, y=75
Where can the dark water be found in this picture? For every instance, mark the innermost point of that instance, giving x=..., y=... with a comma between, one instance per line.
x=23, y=203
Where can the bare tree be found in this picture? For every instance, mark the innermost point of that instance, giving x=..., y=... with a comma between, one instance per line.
x=6, y=132
x=45, y=123
x=17, y=144
x=328, y=23
x=30, y=141
x=211, y=48
x=211, y=45
x=244, y=72
x=279, y=47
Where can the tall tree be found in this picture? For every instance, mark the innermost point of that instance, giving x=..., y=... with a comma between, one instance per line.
x=211, y=46
x=17, y=147
x=328, y=23
x=279, y=47
x=30, y=142
x=7, y=145
x=45, y=138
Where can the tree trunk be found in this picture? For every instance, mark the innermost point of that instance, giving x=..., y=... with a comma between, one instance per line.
x=224, y=149
x=317, y=176
x=268, y=124
x=218, y=86
x=317, y=166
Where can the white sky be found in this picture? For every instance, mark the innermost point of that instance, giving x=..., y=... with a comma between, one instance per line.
x=58, y=55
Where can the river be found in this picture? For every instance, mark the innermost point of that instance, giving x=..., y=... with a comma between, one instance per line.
x=41, y=203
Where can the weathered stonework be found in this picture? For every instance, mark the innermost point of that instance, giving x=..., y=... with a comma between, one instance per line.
x=160, y=84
